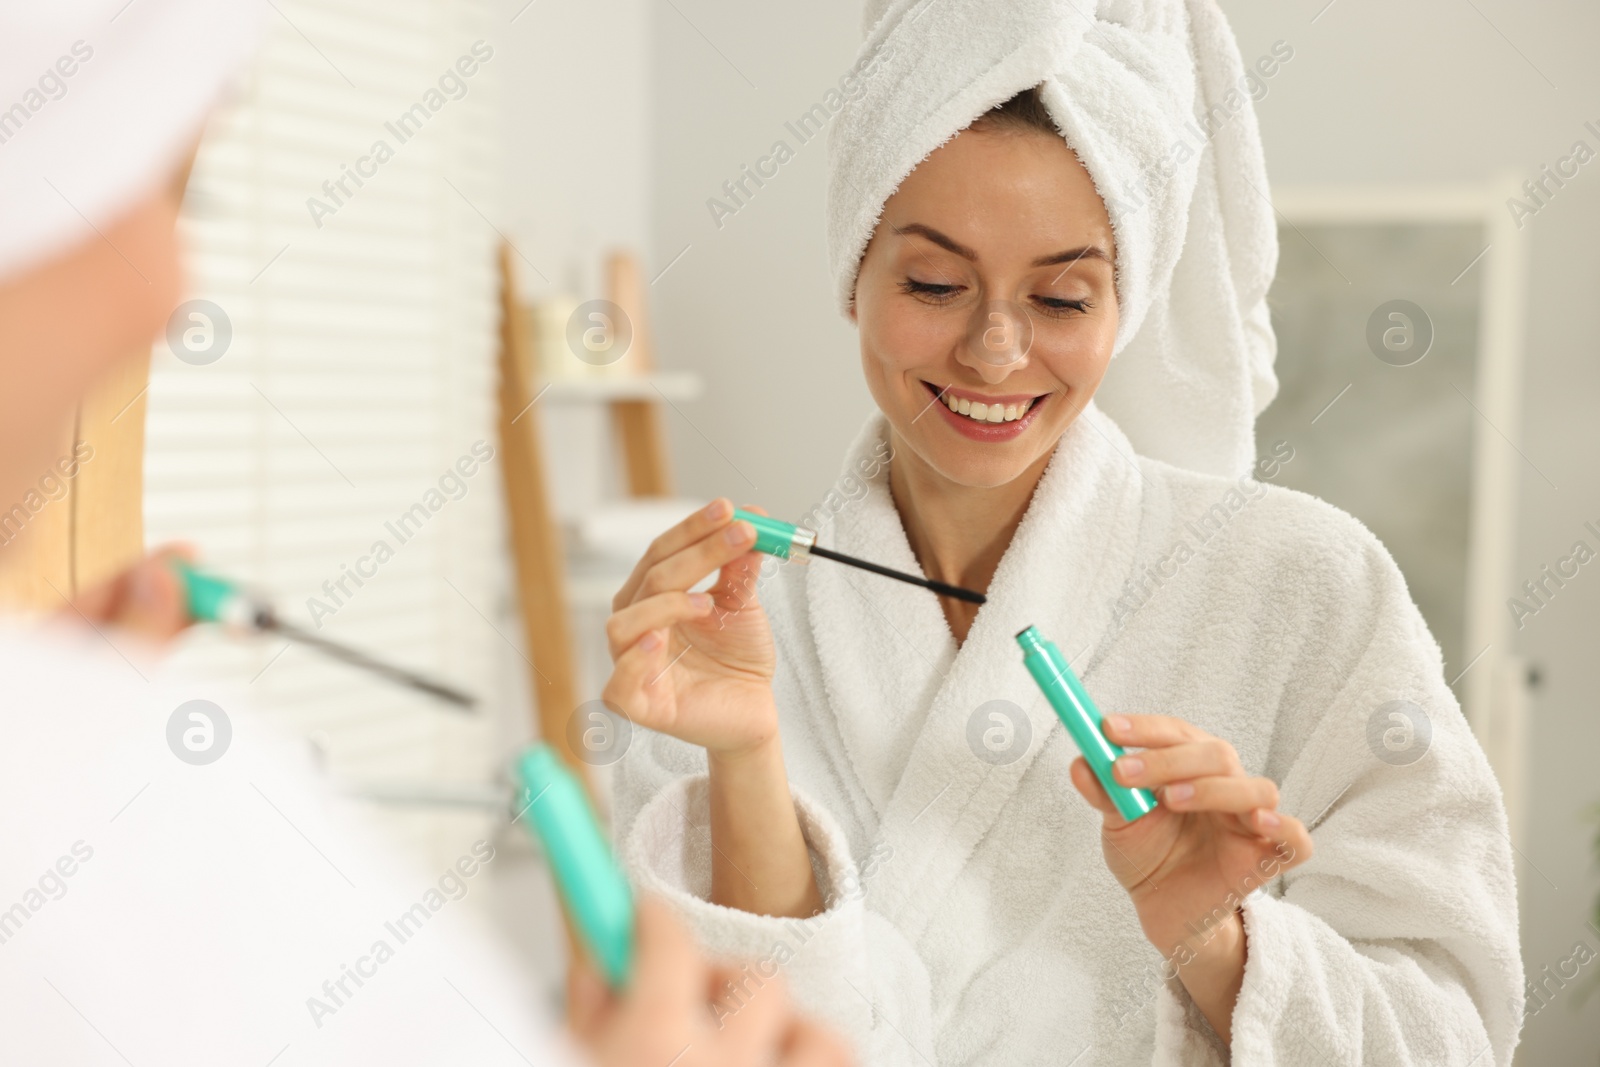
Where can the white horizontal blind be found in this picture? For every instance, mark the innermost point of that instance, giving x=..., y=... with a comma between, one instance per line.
x=359, y=374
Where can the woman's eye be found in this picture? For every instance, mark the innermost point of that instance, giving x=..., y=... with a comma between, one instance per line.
x=942, y=293
x=933, y=291
x=1056, y=307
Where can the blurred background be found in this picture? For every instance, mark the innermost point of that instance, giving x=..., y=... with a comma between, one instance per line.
x=386, y=170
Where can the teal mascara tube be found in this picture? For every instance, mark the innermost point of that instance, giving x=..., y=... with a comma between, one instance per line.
x=1082, y=720
x=592, y=884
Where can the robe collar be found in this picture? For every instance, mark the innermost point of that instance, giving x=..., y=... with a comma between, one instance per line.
x=904, y=697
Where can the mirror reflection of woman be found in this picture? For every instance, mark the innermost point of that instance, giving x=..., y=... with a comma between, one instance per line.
x=857, y=783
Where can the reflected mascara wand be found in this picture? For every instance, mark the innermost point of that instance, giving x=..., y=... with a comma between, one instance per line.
x=214, y=599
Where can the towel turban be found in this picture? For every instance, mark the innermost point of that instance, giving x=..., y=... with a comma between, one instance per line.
x=1153, y=98
x=99, y=101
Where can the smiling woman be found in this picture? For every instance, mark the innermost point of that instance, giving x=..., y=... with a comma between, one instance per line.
x=1011, y=232
x=1007, y=307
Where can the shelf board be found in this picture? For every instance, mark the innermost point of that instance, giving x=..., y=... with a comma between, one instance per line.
x=673, y=385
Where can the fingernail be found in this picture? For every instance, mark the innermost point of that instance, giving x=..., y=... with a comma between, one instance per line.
x=1180, y=792
x=1118, y=724
x=1132, y=766
x=735, y=534
x=144, y=589
x=1270, y=820
x=716, y=509
x=700, y=601
x=650, y=641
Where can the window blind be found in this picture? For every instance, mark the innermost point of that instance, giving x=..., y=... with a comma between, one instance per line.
x=319, y=424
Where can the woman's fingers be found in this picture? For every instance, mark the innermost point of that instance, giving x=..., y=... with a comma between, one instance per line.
x=1084, y=778
x=736, y=584
x=1288, y=834
x=1150, y=731
x=625, y=627
x=735, y=589
x=633, y=672
x=587, y=998
x=692, y=530
x=1182, y=761
x=809, y=1045
x=148, y=598
x=688, y=565
x=669, y=974
x=1231, y=795
x=749, y=1012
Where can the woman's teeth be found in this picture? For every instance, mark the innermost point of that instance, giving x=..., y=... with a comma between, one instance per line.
x=987, y=412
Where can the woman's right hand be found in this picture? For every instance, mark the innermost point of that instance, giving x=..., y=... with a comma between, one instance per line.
x=697, y=666
x=147, y=600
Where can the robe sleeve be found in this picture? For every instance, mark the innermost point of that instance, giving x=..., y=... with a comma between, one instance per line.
x=846, y=967
x=1396, y=942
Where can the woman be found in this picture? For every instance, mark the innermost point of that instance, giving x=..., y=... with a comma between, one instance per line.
x=157, y=911
x=857, y=784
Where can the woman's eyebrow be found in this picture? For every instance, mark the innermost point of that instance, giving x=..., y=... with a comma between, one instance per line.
x=948, y=243
x=1070, y=255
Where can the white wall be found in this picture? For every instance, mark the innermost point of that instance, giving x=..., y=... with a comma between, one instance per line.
x=579, y=141
x=577, y=134
x=749, y=305
x=1431, y=91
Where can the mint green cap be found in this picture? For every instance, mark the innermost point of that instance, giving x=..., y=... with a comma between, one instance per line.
x=777, y=538
x=208, y=595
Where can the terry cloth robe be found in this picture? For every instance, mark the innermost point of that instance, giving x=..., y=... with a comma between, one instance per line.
x=180, y=886
x=970, y=917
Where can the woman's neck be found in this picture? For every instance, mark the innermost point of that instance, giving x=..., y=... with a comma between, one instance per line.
x=958, y=532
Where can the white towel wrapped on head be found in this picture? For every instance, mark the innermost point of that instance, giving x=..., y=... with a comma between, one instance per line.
x=100, y=101
x=1150, y=97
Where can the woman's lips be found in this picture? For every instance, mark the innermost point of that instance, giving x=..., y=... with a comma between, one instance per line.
x=986, y=431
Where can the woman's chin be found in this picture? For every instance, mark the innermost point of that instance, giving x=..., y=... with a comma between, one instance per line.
x=978, y=464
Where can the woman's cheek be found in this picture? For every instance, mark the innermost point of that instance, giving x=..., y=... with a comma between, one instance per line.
x=901, y=347
x=1077, y=357
x=909, y=336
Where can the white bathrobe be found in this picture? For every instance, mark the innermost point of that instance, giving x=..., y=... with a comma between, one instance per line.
x=159, y=912
x=970, y=916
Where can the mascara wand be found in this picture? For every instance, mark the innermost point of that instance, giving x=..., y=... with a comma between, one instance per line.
x=785, y=540
x=215, y=599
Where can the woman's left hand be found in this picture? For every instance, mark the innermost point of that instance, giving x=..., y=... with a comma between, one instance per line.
x=1215, y=836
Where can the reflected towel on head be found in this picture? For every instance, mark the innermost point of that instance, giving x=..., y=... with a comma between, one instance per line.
x=99, y=102
x=1152, y=98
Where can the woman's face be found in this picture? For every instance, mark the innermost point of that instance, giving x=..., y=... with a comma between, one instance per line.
x=67, y=322
x=988, y=282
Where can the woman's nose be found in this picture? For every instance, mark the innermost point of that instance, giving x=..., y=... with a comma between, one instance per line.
x=999, y=335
